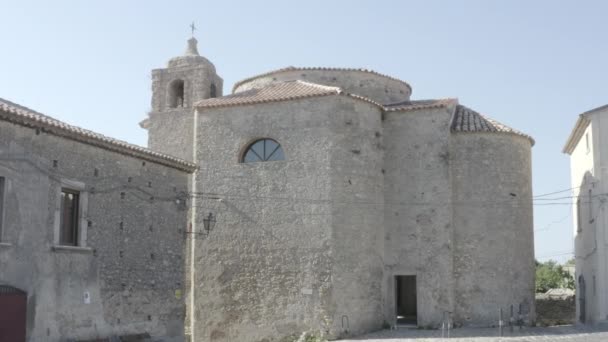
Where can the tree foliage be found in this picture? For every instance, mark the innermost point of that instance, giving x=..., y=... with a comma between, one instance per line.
x=551, y=275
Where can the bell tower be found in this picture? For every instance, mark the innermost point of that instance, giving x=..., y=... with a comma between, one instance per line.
x=186, y=80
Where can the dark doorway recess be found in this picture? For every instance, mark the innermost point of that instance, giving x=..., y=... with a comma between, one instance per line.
x=582, y=300
x=13, y=303
x=406, y=300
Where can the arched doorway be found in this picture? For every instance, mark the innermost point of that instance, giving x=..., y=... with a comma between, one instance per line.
x=581, y=299
x=13, y=303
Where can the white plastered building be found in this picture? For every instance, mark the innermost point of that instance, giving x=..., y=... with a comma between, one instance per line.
x=589, y=178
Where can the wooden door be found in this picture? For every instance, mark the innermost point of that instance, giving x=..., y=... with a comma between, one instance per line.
x=13, y=304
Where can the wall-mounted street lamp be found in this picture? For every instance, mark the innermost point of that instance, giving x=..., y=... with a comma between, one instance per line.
x=208, y=225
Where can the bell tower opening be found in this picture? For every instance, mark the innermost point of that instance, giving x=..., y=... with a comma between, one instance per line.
x=176, y=94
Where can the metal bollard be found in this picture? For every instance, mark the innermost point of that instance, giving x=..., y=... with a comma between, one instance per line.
x=511, y=320
x=443, y=326
x=449, y=323
x=500, y=322
x=520, y=318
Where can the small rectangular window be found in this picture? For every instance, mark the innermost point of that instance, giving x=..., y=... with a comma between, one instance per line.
x=69, y=216
x=590, y=206
x=1, y=206
x=579, y=218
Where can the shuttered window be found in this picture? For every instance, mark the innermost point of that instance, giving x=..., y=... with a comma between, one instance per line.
x=2, y=182
x=68, y=234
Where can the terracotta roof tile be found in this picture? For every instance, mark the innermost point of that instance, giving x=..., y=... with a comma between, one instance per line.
x=419, y=104
x=284, y=91
x=21, y=115
x=466, y=120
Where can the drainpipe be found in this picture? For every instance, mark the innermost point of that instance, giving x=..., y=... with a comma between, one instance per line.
x=601, y=282
x=193, y=227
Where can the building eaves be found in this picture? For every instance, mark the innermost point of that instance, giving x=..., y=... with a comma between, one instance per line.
x=297, y=89
x=466, y=120
x=579, y=128
x=24, y=116
x=575, y=136
x=292, y=68
x=419, y=104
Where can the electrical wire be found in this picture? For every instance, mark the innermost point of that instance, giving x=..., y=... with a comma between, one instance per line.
x=556, y=192
x=556, y=254
x=183, y=195
x=548, y=226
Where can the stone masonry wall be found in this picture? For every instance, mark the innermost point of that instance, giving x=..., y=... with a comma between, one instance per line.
x=555, y=310
x=132, y=262
x=265, y=271
x=493, y=232
x=378, y=88
x=270, y=267
x=418, y=214
x=357, y=198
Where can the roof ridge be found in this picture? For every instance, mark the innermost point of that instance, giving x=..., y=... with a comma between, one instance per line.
x=25, y=116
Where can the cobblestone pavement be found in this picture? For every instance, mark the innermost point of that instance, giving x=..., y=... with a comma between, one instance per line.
x=562, y=334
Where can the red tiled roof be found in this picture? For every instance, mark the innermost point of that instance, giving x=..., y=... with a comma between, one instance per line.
x=464, y=120
x=276, y=92
x=24, y=116
x=467, y=120
x=419, y=104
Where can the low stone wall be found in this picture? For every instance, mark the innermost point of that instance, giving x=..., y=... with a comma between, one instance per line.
x=555, y=310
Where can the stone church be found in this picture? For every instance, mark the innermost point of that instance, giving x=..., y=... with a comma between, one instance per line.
x=319, y=200
x=342, y=205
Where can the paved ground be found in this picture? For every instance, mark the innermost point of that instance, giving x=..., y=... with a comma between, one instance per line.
x=562, y=334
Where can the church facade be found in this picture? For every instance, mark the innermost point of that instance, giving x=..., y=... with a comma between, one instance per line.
x=309, y=200
x=342, y=206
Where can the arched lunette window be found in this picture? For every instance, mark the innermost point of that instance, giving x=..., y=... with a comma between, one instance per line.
x=263, y=150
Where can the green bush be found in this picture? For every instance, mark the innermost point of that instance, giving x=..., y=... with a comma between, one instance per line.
x=551, y=275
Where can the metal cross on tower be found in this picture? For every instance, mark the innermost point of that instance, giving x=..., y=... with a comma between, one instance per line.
x=193, y=28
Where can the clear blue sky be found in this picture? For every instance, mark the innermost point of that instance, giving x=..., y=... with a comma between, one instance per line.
x=534, y=65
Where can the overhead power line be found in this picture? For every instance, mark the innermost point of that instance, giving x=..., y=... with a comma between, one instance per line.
x=556, y=254
x=556, y=192
x=114, y=183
